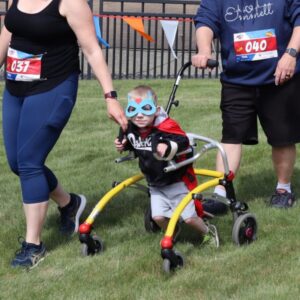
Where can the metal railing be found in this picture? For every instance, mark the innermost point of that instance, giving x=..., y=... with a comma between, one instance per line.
x=131, y=56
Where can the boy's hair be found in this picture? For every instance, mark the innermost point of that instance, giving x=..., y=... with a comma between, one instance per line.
x=142, y=91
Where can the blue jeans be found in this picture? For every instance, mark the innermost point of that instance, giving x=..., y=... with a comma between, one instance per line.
x=31, y=128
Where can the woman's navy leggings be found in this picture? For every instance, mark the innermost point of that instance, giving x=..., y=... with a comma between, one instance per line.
x=31, y=127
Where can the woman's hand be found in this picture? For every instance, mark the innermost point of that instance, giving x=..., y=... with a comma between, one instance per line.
x=116, y=112
x=285, y=69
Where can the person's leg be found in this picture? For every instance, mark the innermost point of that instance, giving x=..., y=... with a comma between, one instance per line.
x=11, y=111
x=31, y=252
x=207, y=232
x=42, y=120
x=60, y=196
x=161, y=221
x=35, y=215
x=70, y=206
x=160, y=209
x=198, y=224
x=284, y=159
x=279, y=114
x=239, y=126
x=234, y=154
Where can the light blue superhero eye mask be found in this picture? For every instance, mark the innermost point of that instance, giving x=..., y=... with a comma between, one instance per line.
x=138, y=105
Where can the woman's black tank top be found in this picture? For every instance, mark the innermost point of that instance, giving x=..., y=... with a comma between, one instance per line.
x=47, y=33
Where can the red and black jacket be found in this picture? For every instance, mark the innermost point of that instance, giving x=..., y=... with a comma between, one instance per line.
x=164, y=130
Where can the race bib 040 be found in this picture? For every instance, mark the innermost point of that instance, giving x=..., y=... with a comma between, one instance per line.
x=255, y=45
x=21, y=66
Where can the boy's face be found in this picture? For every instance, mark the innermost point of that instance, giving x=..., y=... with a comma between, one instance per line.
x=142, y=121
x=141, y=110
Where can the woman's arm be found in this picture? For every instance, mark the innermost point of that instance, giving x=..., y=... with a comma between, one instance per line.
x=80, y=19
x=5, y=38
x=286, y=65
x=4, y=44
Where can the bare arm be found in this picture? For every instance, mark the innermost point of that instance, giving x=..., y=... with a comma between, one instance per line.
x=80, y=19
x=286, y=65
x=204, y=37
x=5, y=38
x=4, y=43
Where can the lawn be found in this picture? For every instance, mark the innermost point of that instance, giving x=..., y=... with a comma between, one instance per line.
x=131, y=266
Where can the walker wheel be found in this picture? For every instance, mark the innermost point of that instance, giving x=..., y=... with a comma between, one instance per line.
x=244, y=229
x=96, y=248
x=167, y=265
x=149, y=223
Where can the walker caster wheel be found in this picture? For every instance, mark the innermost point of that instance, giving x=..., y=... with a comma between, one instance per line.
x=149, y=223
x=95, y=246
x=168, y=266
x=244, y=229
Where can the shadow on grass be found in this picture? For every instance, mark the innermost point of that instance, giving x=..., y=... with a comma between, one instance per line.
x=131, y=203
x=119, y=210
x=261, y=185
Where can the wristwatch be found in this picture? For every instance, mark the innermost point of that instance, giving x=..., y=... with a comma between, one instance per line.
x=292, y=52
x=111, y=95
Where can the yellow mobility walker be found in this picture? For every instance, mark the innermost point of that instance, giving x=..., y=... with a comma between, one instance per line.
x=244, y=230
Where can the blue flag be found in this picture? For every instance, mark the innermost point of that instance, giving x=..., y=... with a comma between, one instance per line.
x=98, y=32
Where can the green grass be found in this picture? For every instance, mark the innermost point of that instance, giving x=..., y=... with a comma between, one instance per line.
x=130, y=268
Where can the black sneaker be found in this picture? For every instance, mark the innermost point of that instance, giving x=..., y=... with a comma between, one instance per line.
x=215, y=205
x=70, y=214
x=29, y=256
x=282, y=199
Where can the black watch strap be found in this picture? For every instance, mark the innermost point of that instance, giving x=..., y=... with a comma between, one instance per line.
x=111, y=95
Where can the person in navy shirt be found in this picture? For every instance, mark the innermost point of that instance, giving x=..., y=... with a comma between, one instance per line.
x=260, y=41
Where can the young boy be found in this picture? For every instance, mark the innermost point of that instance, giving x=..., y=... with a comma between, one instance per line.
x=155, y=139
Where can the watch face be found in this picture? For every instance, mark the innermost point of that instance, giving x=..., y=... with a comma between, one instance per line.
x=292, y=52
x=113, y=94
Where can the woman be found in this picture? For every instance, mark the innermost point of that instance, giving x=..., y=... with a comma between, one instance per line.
x=39, y=43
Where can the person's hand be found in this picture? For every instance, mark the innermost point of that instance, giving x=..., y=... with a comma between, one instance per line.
x=161, y=149
x=285, y=69
x=200, y=60
x=120, y=145
x=116, y=112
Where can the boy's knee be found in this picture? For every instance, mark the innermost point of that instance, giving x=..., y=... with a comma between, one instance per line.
x=159, y=219
x=190, y=221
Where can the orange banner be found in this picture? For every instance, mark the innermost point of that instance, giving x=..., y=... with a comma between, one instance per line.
x=137, y=24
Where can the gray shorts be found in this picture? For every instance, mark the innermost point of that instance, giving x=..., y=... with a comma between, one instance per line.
x=165, y=199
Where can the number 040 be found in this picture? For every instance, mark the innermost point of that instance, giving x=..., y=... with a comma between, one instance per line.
x=255, y=46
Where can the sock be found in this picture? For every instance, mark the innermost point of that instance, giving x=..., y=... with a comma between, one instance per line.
x=220, y=191
x=284, y=186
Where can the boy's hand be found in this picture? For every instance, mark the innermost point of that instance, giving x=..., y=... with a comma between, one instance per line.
x=161, y=149
x=120, y=146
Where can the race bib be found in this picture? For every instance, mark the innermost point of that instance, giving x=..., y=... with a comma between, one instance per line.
x=21, y=66
x=255, y=45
